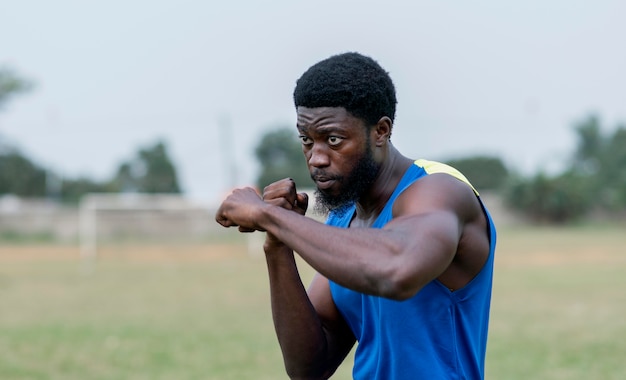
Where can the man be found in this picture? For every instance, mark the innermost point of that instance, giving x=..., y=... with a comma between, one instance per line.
x=405, y=260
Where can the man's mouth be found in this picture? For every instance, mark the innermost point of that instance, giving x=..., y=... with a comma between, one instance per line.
x=324, y=183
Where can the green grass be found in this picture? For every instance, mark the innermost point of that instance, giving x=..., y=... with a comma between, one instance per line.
x=137, y=319
x=202, y=311
x=559, y=305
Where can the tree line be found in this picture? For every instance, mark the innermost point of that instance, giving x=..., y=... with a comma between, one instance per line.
x=593, y=181
x=149, y=171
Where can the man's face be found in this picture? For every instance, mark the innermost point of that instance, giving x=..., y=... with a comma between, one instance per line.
x=339, y=155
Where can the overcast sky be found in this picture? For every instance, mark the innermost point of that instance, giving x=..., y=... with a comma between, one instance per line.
x=495, y=77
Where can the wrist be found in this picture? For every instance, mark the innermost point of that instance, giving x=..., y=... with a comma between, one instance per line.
x=272, y=244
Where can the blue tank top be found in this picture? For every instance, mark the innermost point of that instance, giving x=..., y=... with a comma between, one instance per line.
x=436, y=334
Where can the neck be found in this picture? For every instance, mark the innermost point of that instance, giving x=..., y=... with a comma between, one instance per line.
x=373, y=201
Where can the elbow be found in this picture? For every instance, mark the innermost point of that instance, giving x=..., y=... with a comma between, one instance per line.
x=310, y=371
x=399, y=286
x=398, y=292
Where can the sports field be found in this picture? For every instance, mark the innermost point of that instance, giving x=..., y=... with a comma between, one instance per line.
x=201, y=311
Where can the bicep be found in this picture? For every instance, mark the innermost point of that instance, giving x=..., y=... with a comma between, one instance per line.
x=429, y=218
x=426, y=245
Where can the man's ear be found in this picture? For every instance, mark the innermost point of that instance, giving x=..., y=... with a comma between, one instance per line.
x=382, y=130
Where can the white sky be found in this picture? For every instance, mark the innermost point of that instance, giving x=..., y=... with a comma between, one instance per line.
x=503, y=78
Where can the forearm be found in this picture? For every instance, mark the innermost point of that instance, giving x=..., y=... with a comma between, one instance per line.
x=355, y=258
x=382, y=262
x=298, y=328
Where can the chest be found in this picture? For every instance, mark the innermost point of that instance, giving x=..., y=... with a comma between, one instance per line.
x=358, y=222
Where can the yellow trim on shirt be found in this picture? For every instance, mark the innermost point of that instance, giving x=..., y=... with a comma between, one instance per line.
x=432, y=167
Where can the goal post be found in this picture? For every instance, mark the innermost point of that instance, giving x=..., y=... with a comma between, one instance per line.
x=155, y=215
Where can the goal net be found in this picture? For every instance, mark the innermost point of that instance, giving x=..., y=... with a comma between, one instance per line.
x=137, y=216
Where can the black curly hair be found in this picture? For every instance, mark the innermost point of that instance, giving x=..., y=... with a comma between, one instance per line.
x=349, y=80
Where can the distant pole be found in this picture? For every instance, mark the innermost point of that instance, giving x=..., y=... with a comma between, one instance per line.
x=227, y=148
x=54, y=184
x=88, y=232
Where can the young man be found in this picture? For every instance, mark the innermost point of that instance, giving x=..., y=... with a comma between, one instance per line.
x=405, y=260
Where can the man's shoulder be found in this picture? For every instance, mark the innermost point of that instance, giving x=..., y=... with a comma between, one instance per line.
x=435, y=167
x=439, y=187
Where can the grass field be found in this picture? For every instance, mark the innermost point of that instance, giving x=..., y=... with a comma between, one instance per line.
x=202, y=311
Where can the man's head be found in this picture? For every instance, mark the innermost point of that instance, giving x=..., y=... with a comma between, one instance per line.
x=349, y=80
x=347, y=104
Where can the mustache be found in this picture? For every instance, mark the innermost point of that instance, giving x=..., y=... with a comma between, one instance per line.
x=321, y=175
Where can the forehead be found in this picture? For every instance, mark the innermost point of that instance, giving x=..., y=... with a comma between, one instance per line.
x=326, y=116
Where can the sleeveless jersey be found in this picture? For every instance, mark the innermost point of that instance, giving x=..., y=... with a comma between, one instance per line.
x=436, y=334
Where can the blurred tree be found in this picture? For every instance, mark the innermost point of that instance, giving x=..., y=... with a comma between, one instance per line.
x=124, y=181
x=151, y=171
x=557, y=199
x=20, y=176
x=589, y=145
x=72, y=190
x=485, y=173
x=160, y=173
x=595, y=179
x=11, y=84
x=602, y=158
x=280, y=154
x=616, y=166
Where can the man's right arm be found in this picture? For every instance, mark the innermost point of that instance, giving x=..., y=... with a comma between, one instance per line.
x=313, y=336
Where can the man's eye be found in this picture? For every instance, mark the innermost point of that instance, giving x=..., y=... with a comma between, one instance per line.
x=305, y=140
x=334, y=140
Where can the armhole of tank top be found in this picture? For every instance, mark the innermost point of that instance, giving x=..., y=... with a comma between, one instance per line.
x=433, y=167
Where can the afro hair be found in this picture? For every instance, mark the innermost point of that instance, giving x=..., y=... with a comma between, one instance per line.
x=349, y=80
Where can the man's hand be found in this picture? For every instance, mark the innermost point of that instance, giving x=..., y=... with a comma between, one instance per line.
x=283, y=194
x=240, y=209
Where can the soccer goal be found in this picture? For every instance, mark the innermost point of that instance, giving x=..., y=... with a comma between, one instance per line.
x=126, y=216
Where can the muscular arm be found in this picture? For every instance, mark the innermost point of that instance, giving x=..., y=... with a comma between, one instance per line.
x=313, y=337
x=378, y=262
x=417, y=246
x=394, y=262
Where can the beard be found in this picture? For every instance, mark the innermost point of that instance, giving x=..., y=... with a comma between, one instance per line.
x=353, y=186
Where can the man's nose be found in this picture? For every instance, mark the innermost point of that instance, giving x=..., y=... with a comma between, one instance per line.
x=318, y=156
